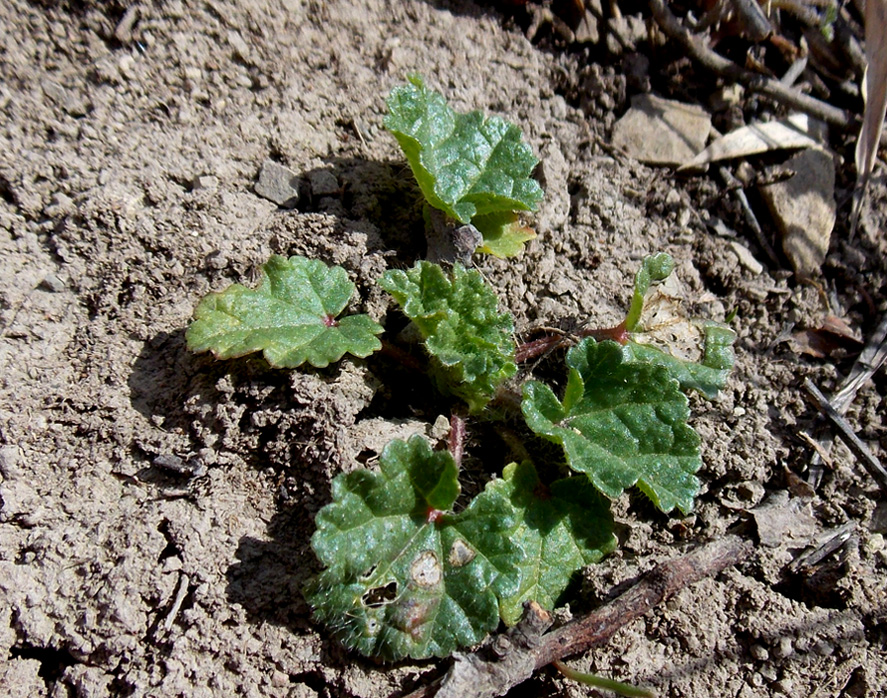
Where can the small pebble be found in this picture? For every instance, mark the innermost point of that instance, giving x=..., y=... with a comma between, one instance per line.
x=193, y=73
x=759, y=652
x=785, y=686
x=59, y=205
x=768, y=672
x=783, y=648
x=241, y=48
x=824, y=649
x=193, y=467
x=205, y=182
x=126, y=66
x=52, y=283
x=875, y=544
x=9, y=462
x=323, y=183
x=278, y=184
x=217, y=260
x=746, y=258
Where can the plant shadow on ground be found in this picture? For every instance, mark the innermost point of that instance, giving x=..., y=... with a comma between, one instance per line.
x=300, y=446
x=159, y=378
x=268, y=578
x=381, y=192
x=184, y=392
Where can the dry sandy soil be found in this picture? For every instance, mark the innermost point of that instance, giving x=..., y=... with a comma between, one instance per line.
x=157, y=506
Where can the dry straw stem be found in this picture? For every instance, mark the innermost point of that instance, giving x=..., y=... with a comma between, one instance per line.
x=875, y=87
x=875, y=94
x=848, y=436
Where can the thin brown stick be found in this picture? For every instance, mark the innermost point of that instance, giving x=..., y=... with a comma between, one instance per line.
x=599, y=626
x=485, y=674
x=870, y=360
x=719, y=65
x=749, y=214
x=848, y=436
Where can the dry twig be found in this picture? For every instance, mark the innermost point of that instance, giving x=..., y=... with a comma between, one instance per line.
x=739, y=192
x=875, y=92
x=869, y=361
x=486, y=674
x=719, y=65
x=848, y=436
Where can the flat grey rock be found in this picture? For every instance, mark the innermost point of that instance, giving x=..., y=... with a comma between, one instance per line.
x=278, y=184
x=323, y=183
x=660, y=131
x=804, y=210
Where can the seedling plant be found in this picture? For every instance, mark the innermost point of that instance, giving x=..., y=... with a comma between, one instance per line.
x=405, y=572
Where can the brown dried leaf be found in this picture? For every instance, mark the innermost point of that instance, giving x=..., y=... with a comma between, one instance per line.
x=831, y=339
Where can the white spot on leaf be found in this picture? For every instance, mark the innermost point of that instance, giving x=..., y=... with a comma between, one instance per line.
x=460, y=554
x=425, y=570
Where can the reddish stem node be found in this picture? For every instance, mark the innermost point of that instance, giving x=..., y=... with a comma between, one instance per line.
x=542, y=491
x=543, y=345
x=618, y=334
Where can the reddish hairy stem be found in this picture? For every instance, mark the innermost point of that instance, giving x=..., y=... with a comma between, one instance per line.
x=617, y=334
x=550, y=342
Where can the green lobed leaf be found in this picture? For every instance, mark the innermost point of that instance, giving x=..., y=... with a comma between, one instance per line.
x=622, y=422
x=503, y=233
x=708, y=376
x=291, y=317
x=404, y=578
x=465, y=164
x=561, y=528
x=463, y=329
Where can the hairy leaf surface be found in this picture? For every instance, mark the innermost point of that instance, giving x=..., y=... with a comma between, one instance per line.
x=291, y=317
x=467, y=165
x=561, y=528
x=678, y=347
x=622, y=423
x=404, y=577
x=707, y=376
x=459, y=318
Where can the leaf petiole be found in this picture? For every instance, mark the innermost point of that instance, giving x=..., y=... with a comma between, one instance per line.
x=623, y=689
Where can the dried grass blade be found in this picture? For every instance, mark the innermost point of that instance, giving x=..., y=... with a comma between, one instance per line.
x=875, y=92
